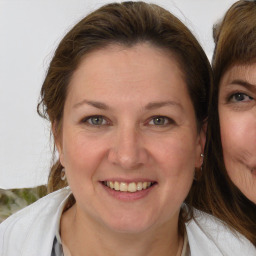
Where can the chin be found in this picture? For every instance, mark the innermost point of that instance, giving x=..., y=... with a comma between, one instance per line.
x=130, y=224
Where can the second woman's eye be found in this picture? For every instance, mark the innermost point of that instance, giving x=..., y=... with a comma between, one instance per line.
x=239, y=97
x=95, y=120
x=160, y=120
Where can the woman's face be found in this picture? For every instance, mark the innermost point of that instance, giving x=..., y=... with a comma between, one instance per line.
x=237, y=113
x=129, y=124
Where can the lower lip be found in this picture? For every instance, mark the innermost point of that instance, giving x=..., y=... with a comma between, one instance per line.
x=128, y=196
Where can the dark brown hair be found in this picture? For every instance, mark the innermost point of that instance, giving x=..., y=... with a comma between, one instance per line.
x=235, y=44
x=127, y=24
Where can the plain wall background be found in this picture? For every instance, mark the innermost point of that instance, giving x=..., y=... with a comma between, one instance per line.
x=29, y=33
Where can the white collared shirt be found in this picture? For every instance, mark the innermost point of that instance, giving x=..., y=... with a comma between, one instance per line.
x=31, y=231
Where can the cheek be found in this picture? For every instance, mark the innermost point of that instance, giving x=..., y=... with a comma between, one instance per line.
x=177, y=157
x=238, y=136
x=82, y=153
x=238, y=133
x=177, y=171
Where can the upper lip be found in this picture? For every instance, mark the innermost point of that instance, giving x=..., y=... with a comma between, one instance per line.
x=129, y=180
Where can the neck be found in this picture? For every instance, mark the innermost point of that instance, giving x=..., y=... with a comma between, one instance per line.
x=84, y=237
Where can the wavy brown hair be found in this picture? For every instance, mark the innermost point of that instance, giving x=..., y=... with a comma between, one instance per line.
x=235, y=44
x=127, y=24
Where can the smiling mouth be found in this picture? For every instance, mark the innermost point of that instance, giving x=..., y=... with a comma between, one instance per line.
x=128, y=187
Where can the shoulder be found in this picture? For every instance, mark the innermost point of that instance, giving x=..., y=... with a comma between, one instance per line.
x=24, y=228
x=208, y=235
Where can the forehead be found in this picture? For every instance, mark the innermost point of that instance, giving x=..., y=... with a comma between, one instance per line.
x=140, y=53
x=245, y=71
x=139, y=73
x=103, y=63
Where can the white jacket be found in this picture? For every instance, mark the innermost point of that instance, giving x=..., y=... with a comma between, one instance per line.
x=30, y=232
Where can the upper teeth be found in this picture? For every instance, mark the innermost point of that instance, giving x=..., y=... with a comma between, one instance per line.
x=128, y=187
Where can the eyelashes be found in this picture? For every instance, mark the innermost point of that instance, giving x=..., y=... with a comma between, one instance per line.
x=238, y=97
x=95, y=121
x=161, y=121
x=101, y=121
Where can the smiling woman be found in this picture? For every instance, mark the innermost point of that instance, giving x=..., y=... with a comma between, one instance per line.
x=237, y=124
x=140, y=129
x=126, y=94
x=230, y=165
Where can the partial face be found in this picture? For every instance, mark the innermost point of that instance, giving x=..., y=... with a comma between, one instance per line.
x=237, y=112
x=129, y=139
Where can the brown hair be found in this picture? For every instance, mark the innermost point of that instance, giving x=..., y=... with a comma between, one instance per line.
x=235, y=43
x=126, y=23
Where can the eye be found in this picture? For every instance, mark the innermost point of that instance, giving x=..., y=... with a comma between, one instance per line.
x=160, y=121
x=95, y=120
x=240, y=97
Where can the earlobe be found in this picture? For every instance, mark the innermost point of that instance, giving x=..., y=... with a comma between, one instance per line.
x=57, y=140
x=201, y=145
x=61, y=158
x=203, y=134
x=60, y=152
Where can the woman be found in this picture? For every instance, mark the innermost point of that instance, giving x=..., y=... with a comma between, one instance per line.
x=230, y=164
x=126, y=94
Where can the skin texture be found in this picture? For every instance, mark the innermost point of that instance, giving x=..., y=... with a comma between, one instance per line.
x=147, y=132
x=237, y=112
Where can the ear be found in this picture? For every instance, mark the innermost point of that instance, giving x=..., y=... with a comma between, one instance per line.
x=203, y=134
x=57, y=135
x=201, y=144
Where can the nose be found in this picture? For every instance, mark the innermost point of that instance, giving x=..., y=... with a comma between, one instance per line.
x=128, y=149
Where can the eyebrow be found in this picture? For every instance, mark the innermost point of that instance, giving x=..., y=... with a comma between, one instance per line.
x=95, y=104
x=155, y=105
x=244, y=83
x=149, y=106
